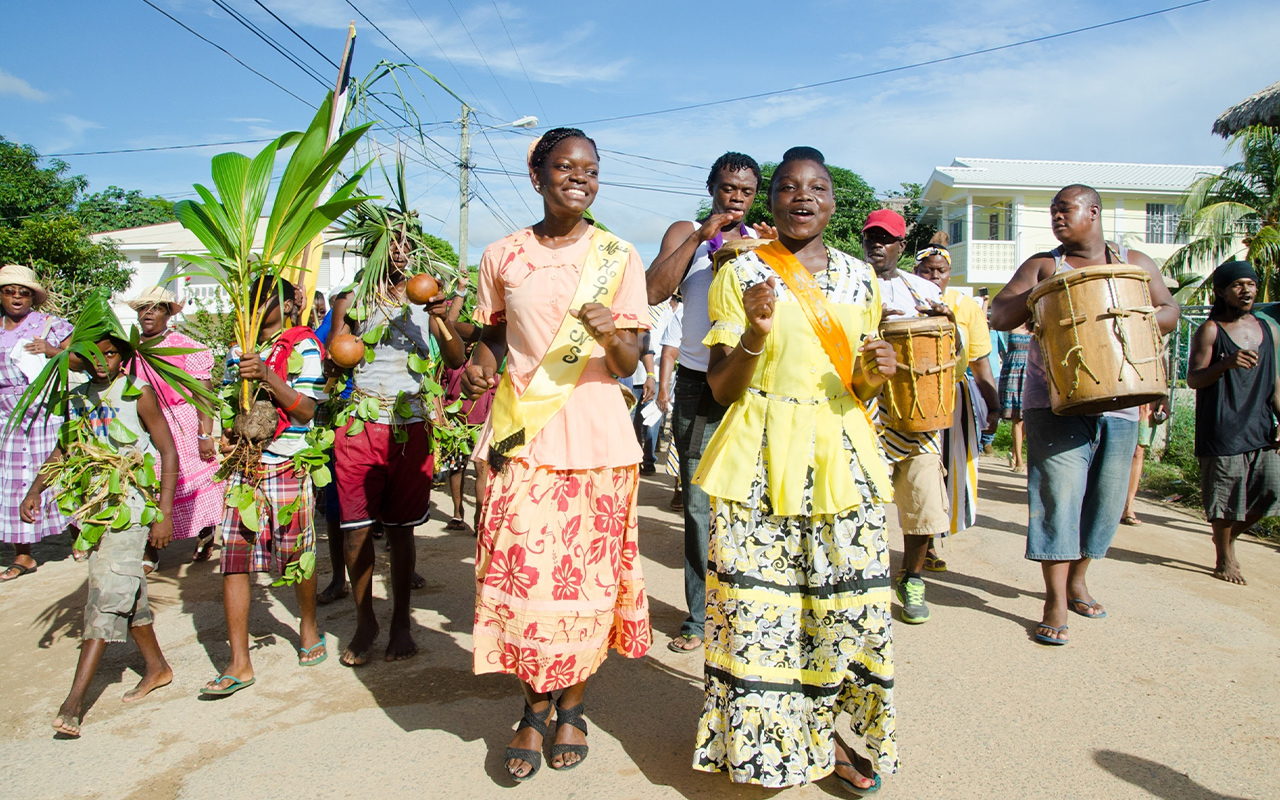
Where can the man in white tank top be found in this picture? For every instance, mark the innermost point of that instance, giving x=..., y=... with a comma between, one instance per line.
x=1077, y=466
x=684, y=263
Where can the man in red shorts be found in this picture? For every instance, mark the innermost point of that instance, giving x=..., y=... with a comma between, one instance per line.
x=384, y=460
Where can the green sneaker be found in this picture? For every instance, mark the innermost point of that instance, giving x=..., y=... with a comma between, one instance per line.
x=911, y=594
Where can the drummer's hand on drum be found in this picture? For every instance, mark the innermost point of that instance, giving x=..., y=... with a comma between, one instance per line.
x=758, y=303
x=935, y=309
x=1242, y=359
x=886, y=312
x=717, y=222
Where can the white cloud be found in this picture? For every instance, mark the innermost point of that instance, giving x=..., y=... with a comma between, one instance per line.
x=12, y=84
x=247, y=119
x=77, y=126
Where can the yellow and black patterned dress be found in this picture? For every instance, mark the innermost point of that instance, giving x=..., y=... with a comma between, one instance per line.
x=798, y=623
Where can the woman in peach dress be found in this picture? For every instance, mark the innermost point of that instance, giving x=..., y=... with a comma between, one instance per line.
x=558, y=577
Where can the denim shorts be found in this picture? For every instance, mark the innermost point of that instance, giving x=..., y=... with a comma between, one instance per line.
x=1077, y=482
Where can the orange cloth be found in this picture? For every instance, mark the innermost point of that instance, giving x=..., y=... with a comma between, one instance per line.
x=530, y=286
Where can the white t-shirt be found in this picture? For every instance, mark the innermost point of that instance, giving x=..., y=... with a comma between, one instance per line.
x=672, y=332
x=905, y=291
x=693, y=291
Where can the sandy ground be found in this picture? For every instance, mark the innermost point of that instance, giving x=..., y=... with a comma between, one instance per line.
x=1173, y=696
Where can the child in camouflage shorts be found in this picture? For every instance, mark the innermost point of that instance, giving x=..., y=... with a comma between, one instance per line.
x=126, y=414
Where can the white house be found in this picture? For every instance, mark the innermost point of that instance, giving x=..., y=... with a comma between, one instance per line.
x=996, y=210
x=154, y=254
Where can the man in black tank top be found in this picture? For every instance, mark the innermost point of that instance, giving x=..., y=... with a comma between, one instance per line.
x=1232, y=367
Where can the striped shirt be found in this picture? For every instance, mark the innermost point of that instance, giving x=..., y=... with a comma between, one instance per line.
x=308, y=380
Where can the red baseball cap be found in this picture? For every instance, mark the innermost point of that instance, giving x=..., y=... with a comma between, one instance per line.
x=888, y=219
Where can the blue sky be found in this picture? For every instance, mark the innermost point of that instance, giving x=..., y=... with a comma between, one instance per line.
x=82, y=76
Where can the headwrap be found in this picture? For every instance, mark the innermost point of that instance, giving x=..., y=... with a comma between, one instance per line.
x=1232, y=271
x=933, y=250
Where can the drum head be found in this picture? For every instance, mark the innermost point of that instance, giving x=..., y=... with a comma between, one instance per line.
x=915, y=326
x=1093, y=272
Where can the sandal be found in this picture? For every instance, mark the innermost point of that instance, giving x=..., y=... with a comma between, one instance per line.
x=1050, y=640
x=570, y=716
x=236, y=685
x=934, y=564
x=1092, y=610
x=303, y=652
x=853, y=788
x=22, y=570
x=204, y=544
x=685, y=643
x=1130, y=519
x=456, y=524
x=537, y=721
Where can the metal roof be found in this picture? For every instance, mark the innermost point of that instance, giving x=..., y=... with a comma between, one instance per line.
x=1053, y=175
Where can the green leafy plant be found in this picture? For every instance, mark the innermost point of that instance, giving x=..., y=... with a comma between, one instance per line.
x=227, y=224
x=1236, y=212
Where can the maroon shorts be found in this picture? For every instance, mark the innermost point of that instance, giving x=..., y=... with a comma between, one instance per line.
x=382, y=480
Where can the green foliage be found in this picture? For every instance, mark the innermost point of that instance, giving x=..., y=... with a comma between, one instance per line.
x=1242, y=201
x=38, y=228
x=115, y=209
x=212, y=325
x=918, y=233
x=227, y=224
x=28, y=190
x=855, y=199
x=1180, y=454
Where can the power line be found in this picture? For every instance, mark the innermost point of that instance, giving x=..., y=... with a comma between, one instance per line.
x=510, y=180
x=272, y=43
x=519, y=60
x=295, y=33
x=392, y=42
x=891, y=70
x=228, y=53
x=156, y=149
x=436, y=42
x=483, y=60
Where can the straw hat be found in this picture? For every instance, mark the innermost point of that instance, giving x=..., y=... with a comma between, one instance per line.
x=156, y=296
x=18, y=275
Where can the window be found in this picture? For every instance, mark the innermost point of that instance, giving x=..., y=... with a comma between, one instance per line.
x=1162, y=224
x=993, y=227
x=955, y=229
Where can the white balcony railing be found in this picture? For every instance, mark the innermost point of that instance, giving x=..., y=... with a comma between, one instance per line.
x=985, y=261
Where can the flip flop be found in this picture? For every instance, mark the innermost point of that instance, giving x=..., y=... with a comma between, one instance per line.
x=21, y=571
x=236, y=685
x=684, y=643
x=1051, y=640
x=303, y=652
x=65, y=734
x=855, y=789
x=456, y=524
x=934, y=564
x=1073, y=602
x=1130, y=519
x=203, y=547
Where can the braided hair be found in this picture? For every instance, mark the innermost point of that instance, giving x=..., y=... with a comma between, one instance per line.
x=733, y=162
x=543, y=147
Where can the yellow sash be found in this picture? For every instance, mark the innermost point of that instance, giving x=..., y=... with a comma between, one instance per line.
x=518, y=418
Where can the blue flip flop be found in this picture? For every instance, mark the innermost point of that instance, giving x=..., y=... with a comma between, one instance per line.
x=1051, y=640
x=858, y=791
x=1071, y=604
x=236, y=685
x=303, y=652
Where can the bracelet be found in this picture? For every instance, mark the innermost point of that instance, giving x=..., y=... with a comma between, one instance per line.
x=204, y=436
x=460, y=293
x=296, y=400
x=748, y=351
x=651, y=375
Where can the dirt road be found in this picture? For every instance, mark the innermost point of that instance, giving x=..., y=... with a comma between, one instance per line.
x=1173, y=696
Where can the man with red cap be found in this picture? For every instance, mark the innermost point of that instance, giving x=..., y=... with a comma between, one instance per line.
x=919, y=483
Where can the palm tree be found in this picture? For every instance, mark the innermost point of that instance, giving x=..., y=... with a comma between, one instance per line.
x=1236, y=213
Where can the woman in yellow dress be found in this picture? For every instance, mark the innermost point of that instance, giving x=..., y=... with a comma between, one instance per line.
x=798, y=622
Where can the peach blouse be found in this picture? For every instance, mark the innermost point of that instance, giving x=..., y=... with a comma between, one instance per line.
x=529, y=286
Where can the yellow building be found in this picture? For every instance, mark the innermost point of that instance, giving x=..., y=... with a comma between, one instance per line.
x=996, y=210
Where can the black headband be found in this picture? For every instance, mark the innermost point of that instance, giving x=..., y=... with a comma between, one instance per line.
x=1232, y=271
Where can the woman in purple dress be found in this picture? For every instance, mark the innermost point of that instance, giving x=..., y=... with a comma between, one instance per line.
x=27, y=339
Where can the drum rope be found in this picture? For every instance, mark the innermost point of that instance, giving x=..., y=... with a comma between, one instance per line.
x=1078, y=349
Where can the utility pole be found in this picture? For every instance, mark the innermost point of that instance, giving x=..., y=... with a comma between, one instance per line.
x=464, y=187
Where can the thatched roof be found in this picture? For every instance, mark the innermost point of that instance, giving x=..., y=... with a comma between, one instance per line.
x=1261, y=109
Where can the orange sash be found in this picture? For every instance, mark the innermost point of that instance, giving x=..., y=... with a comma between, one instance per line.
x=817, y=310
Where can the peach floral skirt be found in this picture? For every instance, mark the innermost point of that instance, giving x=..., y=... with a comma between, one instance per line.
x=558, y=578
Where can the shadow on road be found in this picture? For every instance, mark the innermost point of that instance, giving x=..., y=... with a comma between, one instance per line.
x=1155, y=778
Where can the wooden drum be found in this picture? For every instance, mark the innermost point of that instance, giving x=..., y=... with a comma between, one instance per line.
x=921, y=396
x=1099, y=339
x=734, y=248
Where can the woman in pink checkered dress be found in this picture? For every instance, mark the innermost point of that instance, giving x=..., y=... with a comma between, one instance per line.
x=29, y=336
x=198, y=502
